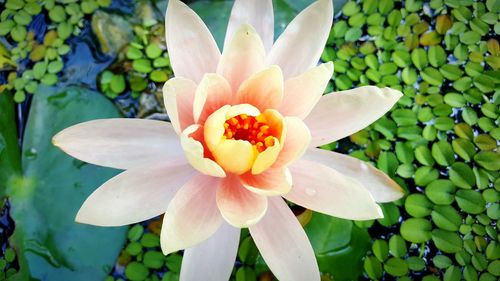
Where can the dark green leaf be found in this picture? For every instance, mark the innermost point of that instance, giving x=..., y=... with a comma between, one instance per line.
x=10, y=159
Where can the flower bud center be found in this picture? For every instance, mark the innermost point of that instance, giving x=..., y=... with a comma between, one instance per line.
x=252, y=129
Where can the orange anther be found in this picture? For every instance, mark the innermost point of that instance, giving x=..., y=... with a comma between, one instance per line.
x=255, y=130
x=269, y=141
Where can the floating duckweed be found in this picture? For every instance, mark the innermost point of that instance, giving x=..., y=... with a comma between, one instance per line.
x=451, y=58
x=15, y=19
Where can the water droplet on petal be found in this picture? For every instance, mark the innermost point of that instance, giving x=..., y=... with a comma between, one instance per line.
x=363, y=166
x=311, y=192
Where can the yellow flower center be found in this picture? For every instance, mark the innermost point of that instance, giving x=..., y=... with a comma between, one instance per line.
x=252, y=129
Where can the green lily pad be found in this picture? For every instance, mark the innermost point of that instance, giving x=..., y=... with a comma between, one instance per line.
x=418, y=205
x=446, y=217
x=441, y=192
x=380, y=249
x=45, y=200
x=339, y=246
x=470, y=201
x=396, y=267
x=416, y=230
x=397, y=246
x=462, y=175
x=447, y=241
x=488, y=160
x=373, y=268
x=136, y=271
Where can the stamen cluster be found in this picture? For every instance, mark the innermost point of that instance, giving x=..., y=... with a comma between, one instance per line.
x=252, y=129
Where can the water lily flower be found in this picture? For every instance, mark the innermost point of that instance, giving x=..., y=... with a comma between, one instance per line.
x=244, y=129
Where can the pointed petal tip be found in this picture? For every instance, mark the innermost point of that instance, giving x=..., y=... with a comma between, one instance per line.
x=392, y=93
x=78, y=218
x=399, y=192
x=54, y=140
x=166, y=250
x=247, y=28
x=380, y=212
x=328, y=66
x=174, y=3
x=83, y=217
x=327, y=3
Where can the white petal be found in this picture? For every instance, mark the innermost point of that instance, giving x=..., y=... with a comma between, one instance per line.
x=323, y=189
x=212, y=93
x=119, y=143
x=382, y=187
x=192, y=216
x=299, y=47
x=135, y=195
x=284, y=245
x=213, y=259
x=178, y=96
x=191, y=48
x=303, y=92
x=257, y=13
x=244, y=56
x=341, y=114
x=263, y=89
x=297, y=140
x=272, y=182
x=239, y=206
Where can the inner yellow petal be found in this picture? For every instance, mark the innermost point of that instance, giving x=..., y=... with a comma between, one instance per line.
x=235, y=156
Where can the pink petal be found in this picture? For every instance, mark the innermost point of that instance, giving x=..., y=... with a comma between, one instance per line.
x=191, y=48
x=303, y=92
x=178, y=95
x=284, y=245
x=300, y=46
x=212, y=93
x=258, y=14
x=381, y=187
x=272, y=182
x=242, y=57
x=341, y=114
x=263, y=90
x=197, y=154
x=213, y=259
x=123, y=199
x=119, y=143
x=297, y=140
x=239, y=206
x=192, y=216
x=323, y=189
